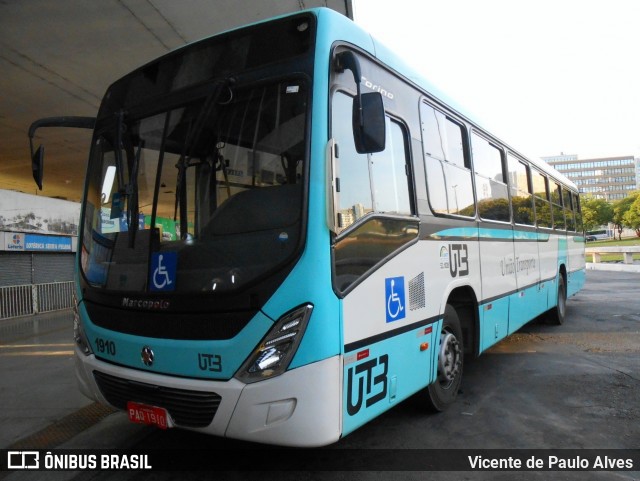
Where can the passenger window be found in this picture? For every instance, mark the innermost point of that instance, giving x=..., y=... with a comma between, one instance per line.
x=569, y=208
x=370, y=182
x=541, y=196
x=448, y=169
x=521, y=198
x=556, y=203
x=491, y=187
x=577, y=212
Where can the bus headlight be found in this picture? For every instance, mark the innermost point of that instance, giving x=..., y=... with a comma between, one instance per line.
x=78, y=332
x=275, y=352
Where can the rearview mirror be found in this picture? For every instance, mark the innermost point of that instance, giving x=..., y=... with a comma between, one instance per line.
x=37, y=166
x=37, y=158
x=368, y=109
x=369, y=130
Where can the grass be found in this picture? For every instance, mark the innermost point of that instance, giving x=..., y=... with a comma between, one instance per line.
x=625, y=242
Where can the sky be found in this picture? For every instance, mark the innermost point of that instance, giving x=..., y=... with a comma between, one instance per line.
x=545, y=76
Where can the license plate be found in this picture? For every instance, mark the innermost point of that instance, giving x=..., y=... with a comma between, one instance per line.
x=145, y=414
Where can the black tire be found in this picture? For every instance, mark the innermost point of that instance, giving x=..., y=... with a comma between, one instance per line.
x=443, y=392
x=557, y=314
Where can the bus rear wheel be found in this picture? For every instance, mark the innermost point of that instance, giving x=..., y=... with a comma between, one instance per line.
x=443, y=392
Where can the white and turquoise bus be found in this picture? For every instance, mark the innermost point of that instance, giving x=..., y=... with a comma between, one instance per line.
x=285, y=233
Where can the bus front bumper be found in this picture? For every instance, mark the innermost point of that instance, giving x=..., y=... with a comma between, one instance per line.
x=301, y=407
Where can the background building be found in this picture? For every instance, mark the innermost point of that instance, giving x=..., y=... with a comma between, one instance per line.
x=38, y=245
x=609, y=178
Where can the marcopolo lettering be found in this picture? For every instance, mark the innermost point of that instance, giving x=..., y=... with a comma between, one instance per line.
x=159, y=304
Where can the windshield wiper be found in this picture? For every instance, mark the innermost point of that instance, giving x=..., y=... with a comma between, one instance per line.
x=133, y=207
x=129, y=188
x=118, y=152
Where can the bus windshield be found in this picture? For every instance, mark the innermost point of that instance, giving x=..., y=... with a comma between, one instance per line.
x=203, y=196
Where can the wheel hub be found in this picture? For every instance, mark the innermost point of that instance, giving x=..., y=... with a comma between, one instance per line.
x=449, y=358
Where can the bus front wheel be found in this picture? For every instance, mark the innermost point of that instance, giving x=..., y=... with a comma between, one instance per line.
x=442, y=393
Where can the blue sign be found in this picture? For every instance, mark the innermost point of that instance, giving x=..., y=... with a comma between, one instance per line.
x=163, y=271
x=117, y=205
x=36, y=242
x=124, y=225
x=395, y=299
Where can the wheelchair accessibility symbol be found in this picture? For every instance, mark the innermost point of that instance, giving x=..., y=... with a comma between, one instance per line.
x=163, y=271
x=395, y=299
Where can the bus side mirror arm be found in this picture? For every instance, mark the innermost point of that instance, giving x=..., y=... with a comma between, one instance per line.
x=368, y=116
x=37, y=157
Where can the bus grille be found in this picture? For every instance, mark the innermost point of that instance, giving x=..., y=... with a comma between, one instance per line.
x=194, y=409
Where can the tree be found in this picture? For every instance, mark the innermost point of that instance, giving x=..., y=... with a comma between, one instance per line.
x=620, y=208
x=596, y=212
x=631, y=217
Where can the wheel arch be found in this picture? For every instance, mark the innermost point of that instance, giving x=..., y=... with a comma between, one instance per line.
x=562, y=271
x=465, y=302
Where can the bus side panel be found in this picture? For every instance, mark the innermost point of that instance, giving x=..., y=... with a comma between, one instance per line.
x=526, y=305
x=498, y=279
x=379, y=375
x=563, y=253
x=550, y=285
x=577, y=263
x=529, y=300
x=549, y=262
x=493, y=322
x=575, y=281
x=389, y=331
x=392, y=321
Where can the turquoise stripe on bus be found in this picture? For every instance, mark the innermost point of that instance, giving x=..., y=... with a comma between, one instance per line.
x=486, y=233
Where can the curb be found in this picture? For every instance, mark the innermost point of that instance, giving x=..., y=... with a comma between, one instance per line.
x=612, y=266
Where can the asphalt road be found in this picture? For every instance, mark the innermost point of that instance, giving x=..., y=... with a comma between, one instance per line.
x=575, y=386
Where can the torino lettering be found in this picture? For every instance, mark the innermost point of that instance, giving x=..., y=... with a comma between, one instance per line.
x=378, y=88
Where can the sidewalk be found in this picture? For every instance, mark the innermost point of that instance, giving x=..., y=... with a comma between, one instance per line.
x=37, y=379
x=35, y=324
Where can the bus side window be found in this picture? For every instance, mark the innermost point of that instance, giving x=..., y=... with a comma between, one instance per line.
x=577, y=212
x=567, y=200
x=491, y=186
x=521, y=197
x=448, y=169
x=556, y=204
x=541, y=197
